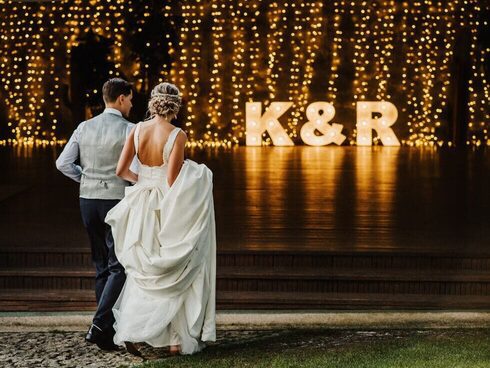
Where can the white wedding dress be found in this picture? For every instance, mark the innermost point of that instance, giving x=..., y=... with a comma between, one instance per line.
x=165, y=237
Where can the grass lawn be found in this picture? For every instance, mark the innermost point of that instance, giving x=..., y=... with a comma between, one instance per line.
x=465, y=348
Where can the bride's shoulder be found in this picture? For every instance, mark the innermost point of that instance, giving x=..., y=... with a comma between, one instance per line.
x=180, y=138
x=181, y=133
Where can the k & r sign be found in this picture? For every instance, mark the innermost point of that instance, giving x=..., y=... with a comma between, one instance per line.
x=319, y=114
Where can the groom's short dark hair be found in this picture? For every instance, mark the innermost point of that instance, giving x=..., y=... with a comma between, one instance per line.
x=114, y=88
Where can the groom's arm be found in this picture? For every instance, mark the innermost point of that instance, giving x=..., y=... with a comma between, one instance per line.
x=66, y=161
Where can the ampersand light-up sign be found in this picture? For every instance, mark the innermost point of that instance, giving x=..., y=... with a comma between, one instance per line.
x=366, y=123
x=258, y=123
x=319, y=114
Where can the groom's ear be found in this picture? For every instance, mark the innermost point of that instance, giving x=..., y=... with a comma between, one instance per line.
x=120, y=99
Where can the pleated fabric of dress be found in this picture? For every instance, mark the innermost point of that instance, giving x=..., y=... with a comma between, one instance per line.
x=165, y=237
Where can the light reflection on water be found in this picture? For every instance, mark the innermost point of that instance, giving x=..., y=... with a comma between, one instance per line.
x=319, y=196
x=316, y=198
x=362, y=198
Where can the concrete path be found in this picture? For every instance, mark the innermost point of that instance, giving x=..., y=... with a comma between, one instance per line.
x=17, y=322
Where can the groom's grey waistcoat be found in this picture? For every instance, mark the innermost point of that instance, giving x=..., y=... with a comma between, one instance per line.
x=101, y=142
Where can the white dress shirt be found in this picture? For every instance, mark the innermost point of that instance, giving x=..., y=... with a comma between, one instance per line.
x=66, y=161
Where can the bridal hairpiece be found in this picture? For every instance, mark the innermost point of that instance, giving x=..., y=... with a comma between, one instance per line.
x=166, y=94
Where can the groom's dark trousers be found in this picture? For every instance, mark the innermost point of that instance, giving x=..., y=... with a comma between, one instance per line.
x=110, y=275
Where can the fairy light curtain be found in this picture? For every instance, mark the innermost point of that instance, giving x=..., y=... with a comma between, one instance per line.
x=224, y=53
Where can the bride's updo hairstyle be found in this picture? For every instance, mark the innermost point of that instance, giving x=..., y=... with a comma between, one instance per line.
x=165, y=100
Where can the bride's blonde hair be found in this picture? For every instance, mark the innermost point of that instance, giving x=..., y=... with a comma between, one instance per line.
x=165, y=100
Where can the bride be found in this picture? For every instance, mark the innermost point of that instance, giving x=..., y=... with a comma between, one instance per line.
x=165, y=237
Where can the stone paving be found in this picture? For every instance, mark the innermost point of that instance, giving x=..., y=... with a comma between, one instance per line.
x=68, y=349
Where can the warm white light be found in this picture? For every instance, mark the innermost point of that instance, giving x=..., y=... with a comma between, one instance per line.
x=366, y=123
x=330, y=133
x=253, y=111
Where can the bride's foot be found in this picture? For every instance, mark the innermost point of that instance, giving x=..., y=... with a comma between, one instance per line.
x=132, y=349
x=174, y=349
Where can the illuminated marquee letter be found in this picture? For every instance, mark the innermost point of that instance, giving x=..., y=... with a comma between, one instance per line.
x=256, y=123
x=317, y=121
x=366, y=123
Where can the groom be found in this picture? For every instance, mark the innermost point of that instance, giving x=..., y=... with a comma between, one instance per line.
x=97, y=144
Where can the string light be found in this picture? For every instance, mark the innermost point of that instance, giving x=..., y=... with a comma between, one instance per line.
x=246, y=51
x=238, y=22
x=254, y=62
x=478, y=83
x=336, y=46
x=215, y=99
x=306, y=36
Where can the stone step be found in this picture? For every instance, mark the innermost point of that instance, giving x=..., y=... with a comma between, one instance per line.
x=379, y=260
x=435, y=282
x=84, y=300
x=45, y=257
x=330, y=278
x=290, y=300
x=41, y=300
x=342, y=273
x=74, y=278
x=376, y=260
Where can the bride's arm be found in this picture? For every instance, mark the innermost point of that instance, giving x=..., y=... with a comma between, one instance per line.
x=126, y=159
x=176, y=158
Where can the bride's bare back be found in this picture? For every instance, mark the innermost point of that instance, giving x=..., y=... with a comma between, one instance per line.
x=152, y=139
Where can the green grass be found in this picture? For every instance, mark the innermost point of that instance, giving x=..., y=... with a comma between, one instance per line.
x=470, y=349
